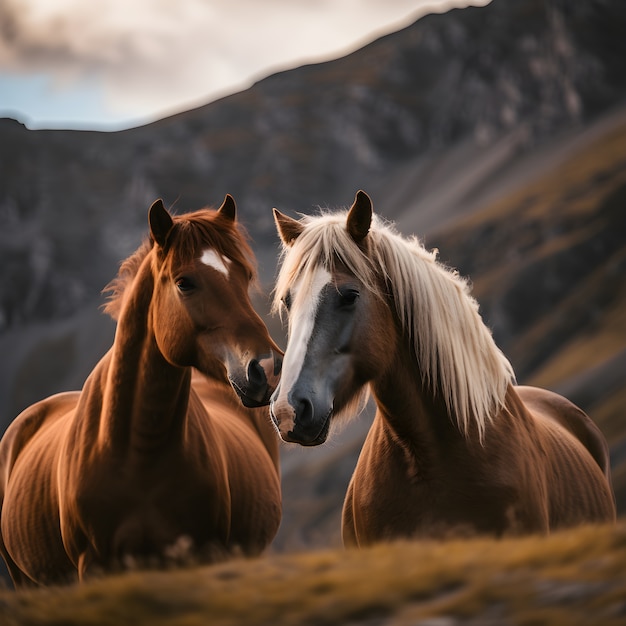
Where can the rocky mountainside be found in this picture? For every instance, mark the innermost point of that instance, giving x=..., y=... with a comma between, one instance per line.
x=496, y=133
x=515, y=73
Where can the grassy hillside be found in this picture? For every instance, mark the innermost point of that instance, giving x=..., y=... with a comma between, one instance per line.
x=569, y=578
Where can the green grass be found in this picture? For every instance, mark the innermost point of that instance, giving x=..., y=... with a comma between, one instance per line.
x=569, y=578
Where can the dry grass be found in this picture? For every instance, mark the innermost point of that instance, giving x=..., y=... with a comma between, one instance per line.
x=569, y=578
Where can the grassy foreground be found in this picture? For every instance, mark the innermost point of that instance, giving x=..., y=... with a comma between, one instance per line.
x=570, y=578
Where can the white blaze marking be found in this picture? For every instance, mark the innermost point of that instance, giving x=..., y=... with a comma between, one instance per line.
x=213, y=259
x=301, y=323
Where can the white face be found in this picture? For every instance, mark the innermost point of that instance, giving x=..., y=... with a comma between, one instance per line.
x=216, y=261
x=302, y=314
x=322, y=378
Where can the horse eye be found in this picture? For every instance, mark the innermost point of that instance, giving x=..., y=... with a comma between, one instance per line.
x=348, y=297
x=185, y=285
x=287, y=300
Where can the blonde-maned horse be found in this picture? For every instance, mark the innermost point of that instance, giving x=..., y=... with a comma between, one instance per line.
x=455, y=447
x=154, y=460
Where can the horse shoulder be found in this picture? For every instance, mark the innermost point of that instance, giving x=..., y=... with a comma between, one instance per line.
x=377, y=490
x=245, y=454
x=242, y=427
x=250, y=472
x=261, y=424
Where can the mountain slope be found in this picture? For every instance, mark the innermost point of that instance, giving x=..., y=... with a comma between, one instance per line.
x=460, y=127
x=515, y=72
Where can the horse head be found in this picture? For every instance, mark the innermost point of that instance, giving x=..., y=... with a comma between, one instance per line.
x=338, y=321
x=201, y=310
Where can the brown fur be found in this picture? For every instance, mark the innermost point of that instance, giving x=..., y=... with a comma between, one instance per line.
x=418, y=476
x=149, y=463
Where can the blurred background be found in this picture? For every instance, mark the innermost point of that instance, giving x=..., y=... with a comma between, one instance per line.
x=496, y=133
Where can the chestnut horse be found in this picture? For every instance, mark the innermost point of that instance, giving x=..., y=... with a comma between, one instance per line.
x=455, y=447
x=153, y=460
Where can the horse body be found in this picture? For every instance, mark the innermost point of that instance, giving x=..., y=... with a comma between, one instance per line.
x=456, y=448
x=429, y=482
x=151, y=462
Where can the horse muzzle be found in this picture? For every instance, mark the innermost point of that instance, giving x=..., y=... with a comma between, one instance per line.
x=256, y=385
x=299, y=421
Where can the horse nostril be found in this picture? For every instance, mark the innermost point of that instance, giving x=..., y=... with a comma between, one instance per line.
x=256, y=374
x=304, y=410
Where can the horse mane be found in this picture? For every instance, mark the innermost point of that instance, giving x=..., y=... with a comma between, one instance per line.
x=457, y=355
x=192, y=232
x=126, y=274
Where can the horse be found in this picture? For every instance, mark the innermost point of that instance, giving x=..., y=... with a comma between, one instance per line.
x=456, y=448
x=156, y=461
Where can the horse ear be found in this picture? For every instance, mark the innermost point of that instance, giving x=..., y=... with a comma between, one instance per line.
x=288, y=228
x=228, y=208
x=360, y=217
x=161, y=222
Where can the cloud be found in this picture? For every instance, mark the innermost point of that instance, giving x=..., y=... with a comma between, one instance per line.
x=157, y=56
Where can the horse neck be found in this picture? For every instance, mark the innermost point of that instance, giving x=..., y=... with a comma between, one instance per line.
x=145, y=398
x=410, y=415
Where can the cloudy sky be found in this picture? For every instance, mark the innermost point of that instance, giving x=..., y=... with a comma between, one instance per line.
x=117, y=63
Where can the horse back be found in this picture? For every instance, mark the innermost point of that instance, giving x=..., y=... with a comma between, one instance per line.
x=29, y=512
x=565, y=413
x=576, y=450
x=28, y=425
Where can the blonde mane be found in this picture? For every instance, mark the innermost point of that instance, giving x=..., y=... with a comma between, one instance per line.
x=457, y=355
